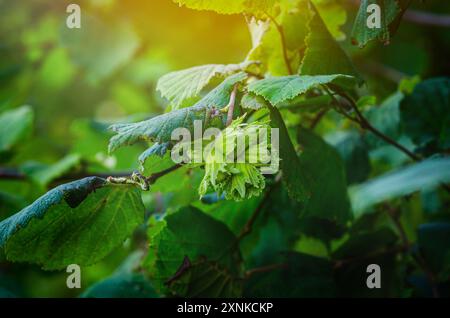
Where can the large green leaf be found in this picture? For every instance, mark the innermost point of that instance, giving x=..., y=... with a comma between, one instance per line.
x=356, y=253
x=423, y=175
x=425, y=114
x=354, y=152
x=385, y=118
x=230, y=6
x=323, y=54
x=14, y=125
x=333, y=14
x=280, y=89
x=293, y=177
x=206, y=279
x=187, y=84
x=185, y=238
x=78, y=222
x=159, y=128
x=219, y=6
x=267, y=43
x=301, y=276
x=390, y=11
x=325, y=180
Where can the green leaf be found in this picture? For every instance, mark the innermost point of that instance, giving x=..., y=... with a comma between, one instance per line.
x=250, y=101
x=44, y=174
x=15, y=124
x=325, y=180
x=334, y=15
x=434, y=244
x=219, y=6
x=159, y=128
x=229, y=6
x=425, y=114
x=129, y=285
x=390, y=11
x=206, y=279
x=79, y=222
x=385, y=118
x=353, y=257
x=301, y=276
x=220, y=210
x=267, y=46
x=323, y=54
x=155, y=159
x=365, y=243
x=189, y=233
x=423, y=175
x=354, y=152
x=280, y=89
x=187, y=84
x=293, y=177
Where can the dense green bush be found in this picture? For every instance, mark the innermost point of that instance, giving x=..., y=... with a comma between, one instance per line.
x=364, y=128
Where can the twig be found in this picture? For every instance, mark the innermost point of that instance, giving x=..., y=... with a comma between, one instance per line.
x=283, y=43
x=364, y=123
x=11, y=174
x=264, y=269
x=247, y=229
x=427, y=18
x=14, y=174
x=417, y=257
x=154, y=177
x=317, y=118
x=393, y=250
x=230, y=106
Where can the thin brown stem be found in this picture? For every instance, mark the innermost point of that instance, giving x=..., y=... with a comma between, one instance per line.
x=154, y=177
x=283, y=43
x=316, y=120
x=264, y=269
x=365, y=124
x=248, y=227
x=394, y=216
x=231, y=106
x=427, y=18
x=15, y=174
x=392, y=250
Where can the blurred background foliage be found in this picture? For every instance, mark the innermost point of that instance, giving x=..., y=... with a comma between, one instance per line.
x=76, y=82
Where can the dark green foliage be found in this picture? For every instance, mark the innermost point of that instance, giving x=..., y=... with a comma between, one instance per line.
x=364, y=140
x=425, y=115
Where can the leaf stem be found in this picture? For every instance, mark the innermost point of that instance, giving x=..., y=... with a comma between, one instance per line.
x=365, y=124
x=230, y=106
x=264, y=269
x=316, y=120
x=248, y=227
x=283, y=43
x=154, y=177
x=118, y=177
x=417, y=257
